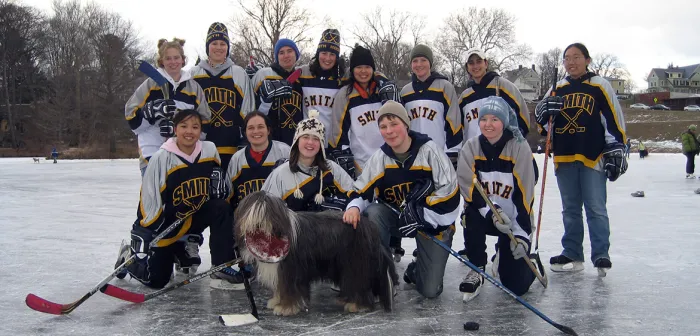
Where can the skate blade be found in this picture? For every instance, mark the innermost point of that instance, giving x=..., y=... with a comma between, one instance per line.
x=235, y=320
x=466, y=297
x=575, y=266
x=225, y=285
x=397, y=258
x=186, y=270
x=602, y=272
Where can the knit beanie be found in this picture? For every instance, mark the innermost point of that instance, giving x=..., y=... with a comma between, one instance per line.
x=498, y=107
x=311, y=126
x=361, y=56
x=330, y=41
x=422, y=50
x=285, y=43
x=395, y=109
x=218, y=31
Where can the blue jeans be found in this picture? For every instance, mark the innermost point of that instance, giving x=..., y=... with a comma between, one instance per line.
x=582, y=186
x=431, y=260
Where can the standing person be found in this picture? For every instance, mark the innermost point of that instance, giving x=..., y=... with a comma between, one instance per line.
x=250, y=167
x=275, y=96
x=178, y=185
x=228, y=91
x=356, y=106
x=308, y=178
x=54, y=155
x=629, y=147
x=405, y=158
x=643, y=152
x=691, y=148
x=502, y=161
x=431, y=102
x=150, y=115
x=588, y=145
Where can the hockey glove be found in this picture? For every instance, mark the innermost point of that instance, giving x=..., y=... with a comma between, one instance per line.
x=251, y=69
x=411, y=217
x=275, y=88
x=344, y=158
x=614, y=160
x=520, y=248
x=167, y=128
x=330, y=203
x=503, y=227
x=388, y=91
x=155, y=110
x=141, y=238
x=549, y=106
x=218, y=188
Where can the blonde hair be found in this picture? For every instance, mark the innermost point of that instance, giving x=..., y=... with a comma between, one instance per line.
x=164, y=44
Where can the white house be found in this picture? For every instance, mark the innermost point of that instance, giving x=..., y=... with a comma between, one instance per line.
x=527, y=80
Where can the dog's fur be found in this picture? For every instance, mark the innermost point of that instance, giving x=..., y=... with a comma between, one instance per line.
x=322, y=247
x=36, y=160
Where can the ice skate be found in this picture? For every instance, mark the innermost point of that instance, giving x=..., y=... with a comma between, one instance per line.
x=562, y=263
x=397, y=253
x=230, y=278
x=463, y=253
x=697, y=191
x=408, y=276
x=494, y=266
x=471, y=285
x=124, y=253
x=690, y=176
x=603, y=265
x=639, y=193
x=187, y=258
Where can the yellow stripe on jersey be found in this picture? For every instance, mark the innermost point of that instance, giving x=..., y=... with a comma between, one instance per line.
x=303, y=183
x=139, y=106
x=612, y=110
x=227, y=150
x=518, y=180
x=430, y=201
x=183, y=230
x=577, y=157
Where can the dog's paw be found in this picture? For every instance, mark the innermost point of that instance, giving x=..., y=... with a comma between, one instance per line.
x=352, y=307
x=271, y=303
x=286, y=310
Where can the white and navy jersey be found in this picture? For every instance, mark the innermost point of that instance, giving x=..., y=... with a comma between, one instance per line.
x=473, y=97
x=590, y=119
x=506, y=173
x=230, y=97
x=246, y=176
x=319, y=93
x=282, y=183
x=173, y=188
x=433, y=110
x=391, y=180
x=284, y=113
x=186, y=93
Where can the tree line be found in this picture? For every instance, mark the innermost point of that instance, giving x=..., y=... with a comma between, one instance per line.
x=65, y=76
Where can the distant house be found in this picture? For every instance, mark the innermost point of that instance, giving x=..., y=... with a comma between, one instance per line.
x=675, y=79
x=617, y=84
x=526, y=80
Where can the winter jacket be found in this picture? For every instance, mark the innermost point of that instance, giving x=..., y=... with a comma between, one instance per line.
x=690, y=143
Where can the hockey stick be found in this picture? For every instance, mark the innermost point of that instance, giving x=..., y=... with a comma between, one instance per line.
x=248, y=290
x=126, y=295
x=562, y=328
x=547, y=147
x=477, y=185
x=45, y=306
x=148, y=70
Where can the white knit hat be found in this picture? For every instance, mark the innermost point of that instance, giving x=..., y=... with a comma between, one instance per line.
x=311, y=126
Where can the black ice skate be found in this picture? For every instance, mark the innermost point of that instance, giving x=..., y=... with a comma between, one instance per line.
x=603, y=265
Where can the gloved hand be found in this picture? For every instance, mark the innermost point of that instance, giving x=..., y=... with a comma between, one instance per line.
x=167, y=128
x=503, y=227
x=251, y=69
x=275, y=88
x=614, y=160
x=520, y=247
x=155, y=110
x=549, y=106
x=388, y=91
x=411, y=220
x=218, y=188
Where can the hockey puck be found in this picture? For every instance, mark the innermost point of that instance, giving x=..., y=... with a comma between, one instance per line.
x=471, y=326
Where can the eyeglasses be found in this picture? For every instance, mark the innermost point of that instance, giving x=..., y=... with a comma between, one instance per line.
x=569, y=59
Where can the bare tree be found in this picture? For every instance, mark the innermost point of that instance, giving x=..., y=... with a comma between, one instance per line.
x=608, y=65
x=546, y=63
x=262, y=23
x=390, y=35
x=491, y=30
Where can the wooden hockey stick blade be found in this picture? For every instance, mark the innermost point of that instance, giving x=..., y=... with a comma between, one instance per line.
x=294, y=76
x=123, y=294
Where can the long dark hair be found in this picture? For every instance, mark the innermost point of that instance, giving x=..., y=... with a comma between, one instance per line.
x=254, y=114
x=581, y=48
x=183, y=115
x=319, y=161
x=315, y=66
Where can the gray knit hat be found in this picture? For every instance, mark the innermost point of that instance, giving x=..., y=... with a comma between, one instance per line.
x=498, y=107
x=424, y=51
x=396, y=109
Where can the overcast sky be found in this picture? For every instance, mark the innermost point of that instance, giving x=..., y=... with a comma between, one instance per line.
x=643, y=34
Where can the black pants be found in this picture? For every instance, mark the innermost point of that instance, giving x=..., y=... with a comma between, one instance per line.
x=514, y=274
x=155, y=268
x=690, y=163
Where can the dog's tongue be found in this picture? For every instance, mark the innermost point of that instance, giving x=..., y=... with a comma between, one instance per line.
x=267, y=248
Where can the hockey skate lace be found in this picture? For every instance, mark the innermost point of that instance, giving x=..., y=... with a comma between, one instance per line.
x=472, y=277
x=192, y=249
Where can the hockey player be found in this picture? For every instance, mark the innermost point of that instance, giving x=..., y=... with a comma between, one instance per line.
x=308, y=177
x=54, y=155
x=150, y=115
x=354, y=120
x=250, y=167
x=589, y=147
x=228, y=91
x=501, y=159
x=691, y=148
x=275, y=96
x=178, y=185
x=394, y=171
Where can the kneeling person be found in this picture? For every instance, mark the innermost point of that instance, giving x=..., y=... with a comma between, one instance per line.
x=408, y=159
x=502, y=161
x=179, y=183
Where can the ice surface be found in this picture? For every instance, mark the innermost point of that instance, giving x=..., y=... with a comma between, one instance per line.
x=61, y=226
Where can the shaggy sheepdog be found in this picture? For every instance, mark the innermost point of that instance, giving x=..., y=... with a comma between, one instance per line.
x=294, y=249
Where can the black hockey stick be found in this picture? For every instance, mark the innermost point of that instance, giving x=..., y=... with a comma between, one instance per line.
x=248, y=290
x=126, y=295
x=45, y=306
